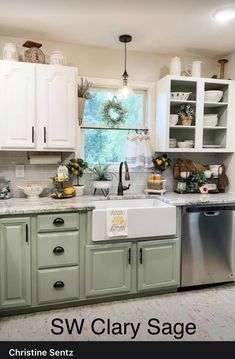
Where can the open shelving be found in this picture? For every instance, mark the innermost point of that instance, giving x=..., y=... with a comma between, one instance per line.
x=217, y=138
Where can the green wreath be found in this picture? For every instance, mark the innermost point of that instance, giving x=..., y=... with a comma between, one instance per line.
x=113, y=112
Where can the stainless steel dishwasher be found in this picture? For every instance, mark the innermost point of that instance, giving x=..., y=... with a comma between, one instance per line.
x=208, y=247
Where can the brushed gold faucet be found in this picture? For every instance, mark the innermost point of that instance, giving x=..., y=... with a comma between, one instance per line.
x=122, y=188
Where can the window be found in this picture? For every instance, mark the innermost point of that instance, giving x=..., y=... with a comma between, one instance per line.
x=101, y=143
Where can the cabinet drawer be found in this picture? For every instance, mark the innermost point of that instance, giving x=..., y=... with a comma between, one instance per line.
x=57, y=222
x=58, y=249
x=56, y=285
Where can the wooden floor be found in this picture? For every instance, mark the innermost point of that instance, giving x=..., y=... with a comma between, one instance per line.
x=212, y=310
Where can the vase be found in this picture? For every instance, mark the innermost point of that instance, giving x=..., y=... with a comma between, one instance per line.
x=186, y=121
x=81, y=106
x=79, y=190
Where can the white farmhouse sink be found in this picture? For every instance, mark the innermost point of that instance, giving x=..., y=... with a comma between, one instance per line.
x=146, y=218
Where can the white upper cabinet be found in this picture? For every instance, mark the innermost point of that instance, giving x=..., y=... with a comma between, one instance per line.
x=17, y=103
x=38, y=106
x=56, y=106
x=203, y=135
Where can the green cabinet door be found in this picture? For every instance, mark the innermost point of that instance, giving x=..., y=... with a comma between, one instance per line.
x=108, y=269
x=158, y=264
x=15, y=290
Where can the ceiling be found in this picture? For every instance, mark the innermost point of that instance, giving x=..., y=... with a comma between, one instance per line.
x=160, y=26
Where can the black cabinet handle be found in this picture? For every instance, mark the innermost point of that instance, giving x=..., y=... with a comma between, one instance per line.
x=58, y=250
x=26, y=232
x=32, y=134
x=129, y=256
x=58, y=284
x=58, y=221
x=141, y=255
x=45, y=134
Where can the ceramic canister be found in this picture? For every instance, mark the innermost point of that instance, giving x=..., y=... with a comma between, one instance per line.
x=175, y=66
x=10, y=52
x=57, y=58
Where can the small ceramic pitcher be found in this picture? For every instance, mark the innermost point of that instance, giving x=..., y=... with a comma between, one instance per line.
x=194, y=69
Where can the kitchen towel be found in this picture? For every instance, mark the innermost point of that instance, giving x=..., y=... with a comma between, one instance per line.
x=117, y=225
x=138, y=151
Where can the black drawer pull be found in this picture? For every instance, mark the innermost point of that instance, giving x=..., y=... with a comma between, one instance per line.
x=58, y=221
x=58, y=284
x=141, y=255
x=58, y=250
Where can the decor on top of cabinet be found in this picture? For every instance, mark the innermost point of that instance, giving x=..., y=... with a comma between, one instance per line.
x=58, y=58
x=10, y=52
x=61, y=184
x=175, y=66
x=114, y=114
x=102, y=178
x=76, y=168
x=222, y=62
x=186, y=112
x=34, y=53
x=84, y=94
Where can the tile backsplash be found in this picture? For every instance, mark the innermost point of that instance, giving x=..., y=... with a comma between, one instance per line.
x=43, y=173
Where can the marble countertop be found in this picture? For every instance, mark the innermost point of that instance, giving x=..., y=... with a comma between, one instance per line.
x=85, y=203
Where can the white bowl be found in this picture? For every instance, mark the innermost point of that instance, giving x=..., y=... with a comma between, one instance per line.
x=210, y=122
x=183, y=144
x=173, y=120
x=213, y=96
x=32, y=191
x=180, y=95
x=211, y=115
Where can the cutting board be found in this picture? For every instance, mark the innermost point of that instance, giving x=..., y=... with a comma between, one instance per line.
x=222, y=178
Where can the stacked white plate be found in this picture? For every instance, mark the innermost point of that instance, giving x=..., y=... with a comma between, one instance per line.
x=172, y=142
x=210, y=120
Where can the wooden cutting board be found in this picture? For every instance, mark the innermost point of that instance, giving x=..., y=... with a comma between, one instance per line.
x=222, y=178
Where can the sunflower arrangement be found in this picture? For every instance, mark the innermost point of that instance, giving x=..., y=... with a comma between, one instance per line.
x=161, y=163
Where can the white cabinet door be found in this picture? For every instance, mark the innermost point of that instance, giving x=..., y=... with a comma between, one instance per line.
x=56, y=106
x=17, y=103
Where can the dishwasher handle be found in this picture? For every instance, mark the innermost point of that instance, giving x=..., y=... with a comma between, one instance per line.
x=211, y=213
x=208, y=209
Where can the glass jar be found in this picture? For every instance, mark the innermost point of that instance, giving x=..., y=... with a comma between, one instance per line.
x=10, y=52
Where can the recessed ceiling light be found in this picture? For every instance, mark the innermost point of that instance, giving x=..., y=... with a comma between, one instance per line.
x=224, y=14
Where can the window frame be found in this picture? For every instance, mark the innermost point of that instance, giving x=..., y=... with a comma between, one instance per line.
x=149, y=106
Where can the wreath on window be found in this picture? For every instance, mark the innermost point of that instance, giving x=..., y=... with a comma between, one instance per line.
x=113, y=112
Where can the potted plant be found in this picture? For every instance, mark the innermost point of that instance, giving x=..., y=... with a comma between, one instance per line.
x=76, y=168
x=161, y=163
x=102, y=178
x=186, y=112
x=83, y=95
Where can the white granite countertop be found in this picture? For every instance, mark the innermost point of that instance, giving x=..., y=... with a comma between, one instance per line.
x=197, y=198
x=84, y=203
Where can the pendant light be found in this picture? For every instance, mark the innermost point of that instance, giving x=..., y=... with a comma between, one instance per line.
x=125, y=90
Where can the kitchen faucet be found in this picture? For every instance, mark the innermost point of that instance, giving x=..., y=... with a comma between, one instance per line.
x=122, y=188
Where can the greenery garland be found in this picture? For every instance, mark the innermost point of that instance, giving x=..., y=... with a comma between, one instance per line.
x=113, y=112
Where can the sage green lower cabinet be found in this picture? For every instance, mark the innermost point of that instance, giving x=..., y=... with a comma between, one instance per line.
x=158, y=264
x=108, y=269
x=15, y=286
x=59, y=284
